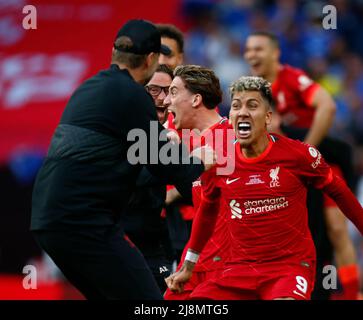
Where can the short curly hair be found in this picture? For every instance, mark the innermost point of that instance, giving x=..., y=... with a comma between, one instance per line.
x=253, y=84
x=203, y=81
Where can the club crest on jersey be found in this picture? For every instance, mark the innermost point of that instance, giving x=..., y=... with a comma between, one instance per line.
x=274, y=175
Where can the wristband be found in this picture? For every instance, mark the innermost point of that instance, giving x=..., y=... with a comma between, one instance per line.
x=191, y=256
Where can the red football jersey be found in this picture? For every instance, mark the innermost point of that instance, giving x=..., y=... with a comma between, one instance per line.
x=292, y=92
x=220, y=137
x=187, y=211
x=264, y=201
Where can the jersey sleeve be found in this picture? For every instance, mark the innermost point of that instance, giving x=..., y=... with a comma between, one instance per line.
x=312, y=167
x=209, y=182
x=304, y=86
x=347, y=202
x=207, y=214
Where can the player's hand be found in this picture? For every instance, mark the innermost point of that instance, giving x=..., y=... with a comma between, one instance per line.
x=176, y=281
x=207, y=155
x=173, y=137
x=171, y=196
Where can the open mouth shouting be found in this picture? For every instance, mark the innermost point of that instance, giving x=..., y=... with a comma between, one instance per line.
x=175, y=116
x=243, y=129
x=255, y=66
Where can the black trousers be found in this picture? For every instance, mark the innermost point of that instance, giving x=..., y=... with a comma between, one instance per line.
x=101, y=263
x=161, y=268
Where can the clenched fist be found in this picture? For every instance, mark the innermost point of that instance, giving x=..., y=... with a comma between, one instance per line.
x=207, y=155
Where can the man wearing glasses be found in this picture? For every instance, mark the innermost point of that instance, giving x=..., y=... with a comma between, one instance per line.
x=158, y=88
x=144, y=222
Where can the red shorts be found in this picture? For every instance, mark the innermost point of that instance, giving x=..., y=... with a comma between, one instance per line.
x=196, y=279
x=265, y=281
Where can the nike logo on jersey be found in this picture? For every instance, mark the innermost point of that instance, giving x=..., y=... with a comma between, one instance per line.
x=231, y=181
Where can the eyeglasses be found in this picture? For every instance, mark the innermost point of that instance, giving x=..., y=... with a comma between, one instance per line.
x=155, y=90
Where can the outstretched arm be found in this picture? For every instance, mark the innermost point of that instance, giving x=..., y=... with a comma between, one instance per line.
x=346, y=201
x=203, y=226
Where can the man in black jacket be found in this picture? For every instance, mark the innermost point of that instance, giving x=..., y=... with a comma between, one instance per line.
x=88, y=175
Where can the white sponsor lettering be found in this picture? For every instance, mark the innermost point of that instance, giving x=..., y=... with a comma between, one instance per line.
x=316, y=163
x=257, y=206
x=265, y=205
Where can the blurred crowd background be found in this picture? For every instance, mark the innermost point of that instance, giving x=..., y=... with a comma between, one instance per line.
x=40, y=68
x=331, y=57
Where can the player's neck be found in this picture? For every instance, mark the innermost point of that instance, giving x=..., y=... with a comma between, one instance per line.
x=256, y=149
x=273, y=72
x=206, y=119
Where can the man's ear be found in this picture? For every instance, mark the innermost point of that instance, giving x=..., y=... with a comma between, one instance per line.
x=268, y=117
x=197, y=100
